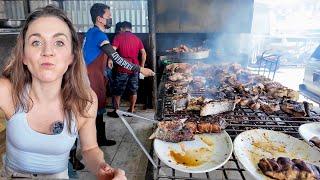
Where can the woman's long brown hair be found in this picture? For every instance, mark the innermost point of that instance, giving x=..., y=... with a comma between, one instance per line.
x=75, y=84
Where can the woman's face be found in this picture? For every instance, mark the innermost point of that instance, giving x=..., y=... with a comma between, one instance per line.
x=48, y=49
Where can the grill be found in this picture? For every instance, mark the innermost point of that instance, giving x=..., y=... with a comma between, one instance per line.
x=254, y=119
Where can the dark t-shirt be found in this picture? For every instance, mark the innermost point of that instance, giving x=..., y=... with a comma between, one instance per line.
x=128, y=46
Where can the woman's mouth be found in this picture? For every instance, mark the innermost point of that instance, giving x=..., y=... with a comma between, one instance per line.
x=47, y=65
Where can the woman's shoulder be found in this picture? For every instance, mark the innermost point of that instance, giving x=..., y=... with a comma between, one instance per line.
x=6, y=103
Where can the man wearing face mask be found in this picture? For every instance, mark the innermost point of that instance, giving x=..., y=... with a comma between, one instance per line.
x=97, y=49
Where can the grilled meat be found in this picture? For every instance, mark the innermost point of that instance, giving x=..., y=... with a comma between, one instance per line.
x=180, y=77
x=184, y=48
x=179, y=102
x=270, y=108
x=195, y=103
x=216, y=107
x=316, y=141
x=286, y=169
x=211, y=124
x=173, y=131
x=293, y=95
x=295, y=108
x=179, y=68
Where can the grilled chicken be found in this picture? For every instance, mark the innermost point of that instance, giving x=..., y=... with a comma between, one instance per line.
x=286, y=169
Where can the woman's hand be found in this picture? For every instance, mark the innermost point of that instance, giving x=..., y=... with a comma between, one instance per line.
x=106, y=172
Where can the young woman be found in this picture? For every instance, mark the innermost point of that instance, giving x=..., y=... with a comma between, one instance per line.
x=47, y=100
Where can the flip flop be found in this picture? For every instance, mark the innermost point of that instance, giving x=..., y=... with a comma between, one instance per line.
x=129, y=112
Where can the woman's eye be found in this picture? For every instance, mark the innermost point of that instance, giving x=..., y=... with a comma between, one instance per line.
x=36, y=43
x=59, y=43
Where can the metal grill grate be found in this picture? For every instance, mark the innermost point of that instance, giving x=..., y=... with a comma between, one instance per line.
x=254, y=119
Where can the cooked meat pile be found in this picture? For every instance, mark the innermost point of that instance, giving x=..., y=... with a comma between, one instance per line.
x=316, y=141
x=183, y=48
x=286, y=169
x=226, y=86
x=184, y=130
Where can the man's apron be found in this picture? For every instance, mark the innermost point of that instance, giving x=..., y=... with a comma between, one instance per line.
x=98, y=82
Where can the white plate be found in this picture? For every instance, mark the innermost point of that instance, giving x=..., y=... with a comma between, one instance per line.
x=309, y=130
x=219, y=153
x=253, y=145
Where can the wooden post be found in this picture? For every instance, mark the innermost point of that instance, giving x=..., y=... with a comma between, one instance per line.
x=152, y=41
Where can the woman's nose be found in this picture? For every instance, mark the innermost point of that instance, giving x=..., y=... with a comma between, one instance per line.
x=47, y=50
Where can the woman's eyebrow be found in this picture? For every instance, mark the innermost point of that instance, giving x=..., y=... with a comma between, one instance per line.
x=34, y=34
x=55, y=35
x=61, y=34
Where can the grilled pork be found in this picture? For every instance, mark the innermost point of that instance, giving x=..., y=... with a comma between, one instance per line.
x=287, y=169
x=179, y=102
x=180, y=77
x=270, y=108
x=295, y=108
x=211, y=124
x=217, y=107
x=173, y=131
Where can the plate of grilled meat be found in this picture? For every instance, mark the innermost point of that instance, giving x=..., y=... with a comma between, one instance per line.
x=270, y=154
x=192, y=147
x=310, y=132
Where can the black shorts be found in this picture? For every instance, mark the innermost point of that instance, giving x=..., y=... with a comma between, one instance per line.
x=122, y=81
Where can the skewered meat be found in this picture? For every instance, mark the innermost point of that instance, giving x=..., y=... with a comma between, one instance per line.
x=216, y=107
x=173, y=131
x=316, y=141
x=285, y=169
x=211, y=124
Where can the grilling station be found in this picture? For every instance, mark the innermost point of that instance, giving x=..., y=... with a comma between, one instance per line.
x=199, y=102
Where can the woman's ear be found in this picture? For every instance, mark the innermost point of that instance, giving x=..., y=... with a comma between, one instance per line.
x=71, y=60
x=24, y=61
